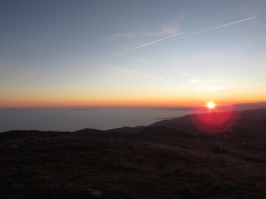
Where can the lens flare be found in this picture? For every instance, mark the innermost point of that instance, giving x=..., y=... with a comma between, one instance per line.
x=215, y=122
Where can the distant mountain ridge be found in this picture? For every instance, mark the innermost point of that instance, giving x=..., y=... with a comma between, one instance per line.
x=247, y=126
x=248, y=106
x=250, y=125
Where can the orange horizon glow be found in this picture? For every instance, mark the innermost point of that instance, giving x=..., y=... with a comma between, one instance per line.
x=97, y=104
x=114, y=102
x=104, y=103
x=79, y=98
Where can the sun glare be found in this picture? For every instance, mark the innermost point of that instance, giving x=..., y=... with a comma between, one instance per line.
x=210, y=105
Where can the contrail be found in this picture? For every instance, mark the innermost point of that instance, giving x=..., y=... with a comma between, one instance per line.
x=229, y=24
x=147, y=44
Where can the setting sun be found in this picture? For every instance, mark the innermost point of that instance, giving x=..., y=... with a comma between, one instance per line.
x=210, y=105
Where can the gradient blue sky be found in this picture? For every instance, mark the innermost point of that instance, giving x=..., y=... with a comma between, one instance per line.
x=60, y=53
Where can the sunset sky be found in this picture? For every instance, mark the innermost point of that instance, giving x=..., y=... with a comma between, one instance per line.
x=132, y=53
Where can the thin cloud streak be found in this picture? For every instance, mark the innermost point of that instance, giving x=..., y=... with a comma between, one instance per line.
x=147, y=44
x=229, y=24
x=164, y=31
x=183, y=73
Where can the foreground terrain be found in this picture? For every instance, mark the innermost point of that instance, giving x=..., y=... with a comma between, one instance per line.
x=157, y=162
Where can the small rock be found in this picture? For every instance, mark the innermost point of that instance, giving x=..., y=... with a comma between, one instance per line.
x=96, y=193
x=73, y=177
x=14, y=146
x=67, y=187
x=56, y=187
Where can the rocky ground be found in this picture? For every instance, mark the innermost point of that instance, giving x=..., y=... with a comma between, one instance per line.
x=97, y=164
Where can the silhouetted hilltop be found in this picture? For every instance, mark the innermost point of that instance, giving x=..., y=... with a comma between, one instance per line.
x=162, y=131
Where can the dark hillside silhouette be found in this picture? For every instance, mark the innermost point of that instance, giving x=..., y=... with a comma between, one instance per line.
x=150, y=162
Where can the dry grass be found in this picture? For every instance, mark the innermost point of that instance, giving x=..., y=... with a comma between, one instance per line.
x=127, y=166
